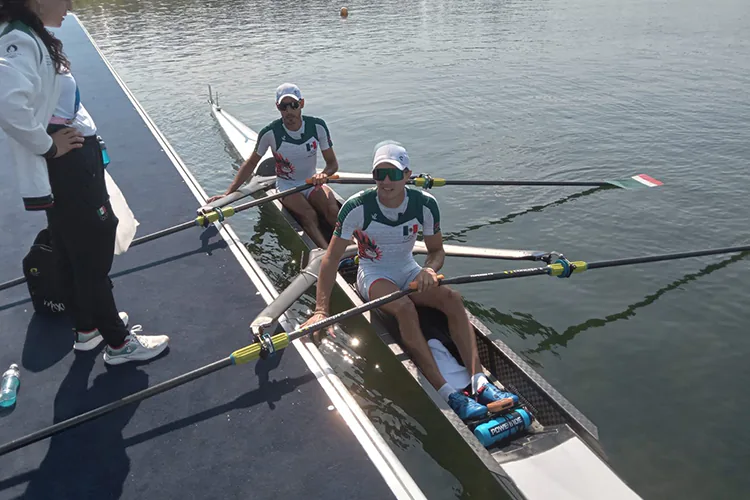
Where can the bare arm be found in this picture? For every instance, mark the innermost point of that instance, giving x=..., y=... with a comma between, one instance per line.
x=427, y=277
x=327, y=277
x=332, y=164
x=435, y=252
x=244, y=173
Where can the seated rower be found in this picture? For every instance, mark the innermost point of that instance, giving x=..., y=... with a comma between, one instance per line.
x=385, y=220
x=294, y=141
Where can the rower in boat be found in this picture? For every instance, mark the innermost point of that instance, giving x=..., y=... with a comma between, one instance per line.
x=385, y=221
x=294, y=141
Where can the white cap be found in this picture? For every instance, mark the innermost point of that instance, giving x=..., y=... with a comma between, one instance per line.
x=288, y=90
x=393, y=153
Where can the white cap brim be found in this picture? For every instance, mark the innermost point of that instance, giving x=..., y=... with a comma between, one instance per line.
x=278, y=101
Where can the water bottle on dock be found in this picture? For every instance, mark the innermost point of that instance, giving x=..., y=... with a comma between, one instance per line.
x=9, y=386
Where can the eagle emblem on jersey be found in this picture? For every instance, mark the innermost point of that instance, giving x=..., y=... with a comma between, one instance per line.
x=284, y=168
x=367, y=248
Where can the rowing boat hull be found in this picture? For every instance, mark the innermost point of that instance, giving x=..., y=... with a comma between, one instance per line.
x=563, y=460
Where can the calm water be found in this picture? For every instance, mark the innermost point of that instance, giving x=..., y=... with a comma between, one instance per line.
x=655, y=355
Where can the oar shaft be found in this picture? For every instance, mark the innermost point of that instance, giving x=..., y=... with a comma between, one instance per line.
x=163, y=232
x=12, y=283
x=501, y=275
x=275, y=196
x=663, y=257
x=103, y=410
x=201, y=220
x=469, y=182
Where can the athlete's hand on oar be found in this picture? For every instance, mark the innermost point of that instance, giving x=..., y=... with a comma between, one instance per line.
x=315, y=318
x=426, y=279
x=65, y=140
x=318, y=179
x=214, y=198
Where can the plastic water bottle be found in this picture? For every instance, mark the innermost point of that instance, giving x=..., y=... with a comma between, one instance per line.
x=9, y=386
x=502, y=427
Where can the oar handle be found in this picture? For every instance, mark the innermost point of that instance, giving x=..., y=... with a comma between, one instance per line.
x=413, y=285
x=333, y=177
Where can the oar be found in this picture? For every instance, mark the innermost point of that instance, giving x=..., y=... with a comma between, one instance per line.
x=202, y=220
x=426, y=181
x=282, y=340
x=238, y=357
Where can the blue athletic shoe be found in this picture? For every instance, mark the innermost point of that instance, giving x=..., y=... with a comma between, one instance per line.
x=495, y=399
x=465, y=407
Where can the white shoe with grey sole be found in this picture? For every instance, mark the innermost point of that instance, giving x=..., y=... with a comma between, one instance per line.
x=136, y=348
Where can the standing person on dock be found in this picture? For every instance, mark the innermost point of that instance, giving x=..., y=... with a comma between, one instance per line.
x=83, y=227
x=384, y=221
x=294, y=141
x=31, y=60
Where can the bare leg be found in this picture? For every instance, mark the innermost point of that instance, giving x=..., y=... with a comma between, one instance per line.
x=449, y=301
x=298, y=205
x=411, y=333
x=325, y=203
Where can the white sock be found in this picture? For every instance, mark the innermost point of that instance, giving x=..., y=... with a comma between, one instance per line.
x=477, y=381
x=446, y=391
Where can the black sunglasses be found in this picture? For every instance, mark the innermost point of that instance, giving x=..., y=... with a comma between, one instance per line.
x=395, y=174
x=293, y=105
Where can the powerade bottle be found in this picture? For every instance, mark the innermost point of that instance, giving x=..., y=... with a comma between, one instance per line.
x=502, y=427
x=103, y=147
x=9, y=386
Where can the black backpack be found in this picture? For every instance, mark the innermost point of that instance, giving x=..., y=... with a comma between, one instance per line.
x=41, y=274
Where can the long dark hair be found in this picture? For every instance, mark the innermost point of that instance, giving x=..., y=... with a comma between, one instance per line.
x=17, y=10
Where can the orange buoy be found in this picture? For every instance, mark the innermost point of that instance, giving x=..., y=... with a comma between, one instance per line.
x=344, y=12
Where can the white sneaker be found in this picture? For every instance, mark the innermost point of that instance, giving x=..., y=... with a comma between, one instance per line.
x=136, y=348
x=87, y=341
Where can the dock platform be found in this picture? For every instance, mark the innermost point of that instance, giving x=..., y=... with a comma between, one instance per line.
x=279, y=428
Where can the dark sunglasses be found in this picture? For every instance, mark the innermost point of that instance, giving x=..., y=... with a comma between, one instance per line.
x=395, y=174
x=293, y=105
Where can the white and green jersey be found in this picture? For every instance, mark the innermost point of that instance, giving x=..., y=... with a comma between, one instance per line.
x=385, y=236
x=296, y=152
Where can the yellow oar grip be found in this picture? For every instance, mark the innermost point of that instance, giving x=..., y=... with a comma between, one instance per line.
x=213, y=216
x=436, y=181
x=252, y=351
x=558, y=269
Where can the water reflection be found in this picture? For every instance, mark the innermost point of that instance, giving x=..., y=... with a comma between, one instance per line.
x=525, y=326
x=459, y=236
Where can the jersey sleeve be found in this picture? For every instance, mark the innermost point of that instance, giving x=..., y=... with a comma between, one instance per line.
x=431, y=214
x=351, y=217
x=324, y=135
x=19, y=62
x=266, y=140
